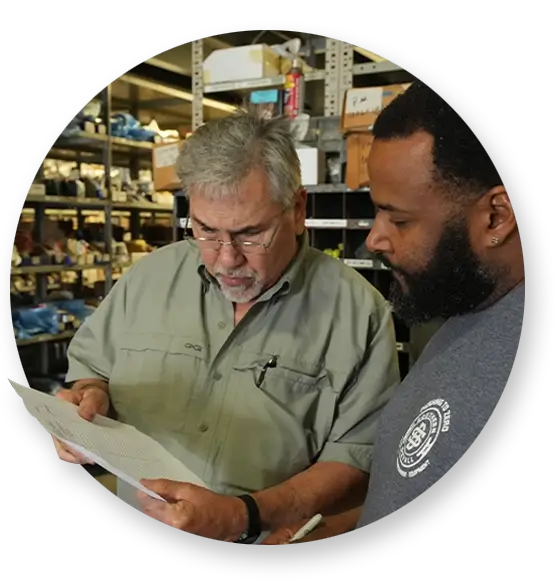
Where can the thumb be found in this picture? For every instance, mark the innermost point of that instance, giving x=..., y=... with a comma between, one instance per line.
x=91, y=403
x=168, y=489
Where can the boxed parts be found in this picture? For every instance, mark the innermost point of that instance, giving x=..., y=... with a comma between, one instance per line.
x=313, y=165
x=247, y=63
x=241, y=63
x=165, y=156
x=362, y=105
x=358, y=147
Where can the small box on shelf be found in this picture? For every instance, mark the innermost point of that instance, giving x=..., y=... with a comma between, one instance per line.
x=165, y=156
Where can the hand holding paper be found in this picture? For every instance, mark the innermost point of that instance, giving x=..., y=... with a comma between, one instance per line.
x=91, y=400
x=195, y=510
x=117, y=447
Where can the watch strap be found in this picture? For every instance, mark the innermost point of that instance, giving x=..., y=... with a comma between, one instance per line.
x=253, y=518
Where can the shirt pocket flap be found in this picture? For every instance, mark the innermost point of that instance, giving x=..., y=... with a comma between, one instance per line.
x=293, y=371
x=171, y=344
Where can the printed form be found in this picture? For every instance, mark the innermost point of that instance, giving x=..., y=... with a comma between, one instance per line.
x=119, y=448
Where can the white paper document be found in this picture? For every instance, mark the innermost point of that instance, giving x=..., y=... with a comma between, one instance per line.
x=119, y=448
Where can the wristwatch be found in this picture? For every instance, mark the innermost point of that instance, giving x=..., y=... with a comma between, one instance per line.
x=253, y=519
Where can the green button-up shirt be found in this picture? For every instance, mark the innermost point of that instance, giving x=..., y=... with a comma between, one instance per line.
x=179, y=371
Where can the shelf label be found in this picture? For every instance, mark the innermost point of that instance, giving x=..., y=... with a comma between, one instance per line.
x=166, y=155
x=325, y=223
x=362, y=101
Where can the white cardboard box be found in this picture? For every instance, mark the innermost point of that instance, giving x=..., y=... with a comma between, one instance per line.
x=241, y=63
x=313, y=166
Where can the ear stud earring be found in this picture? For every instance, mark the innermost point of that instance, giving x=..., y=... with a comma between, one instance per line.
x=495, y=240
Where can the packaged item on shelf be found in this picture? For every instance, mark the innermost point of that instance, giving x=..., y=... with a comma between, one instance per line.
x=16, y=258
x=313, y=165
x=336, y=252
x=294, y=90
x=267, y=103
x=362, y=105
x=241, y=63
x=358, y=146
x=126, y=126
x=164, y=159
x=35, y=321
x=334, y=165
x=86, y=120
x=72, y=313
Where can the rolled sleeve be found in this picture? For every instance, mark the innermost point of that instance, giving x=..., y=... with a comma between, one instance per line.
x=91, y=352
x=352, y=437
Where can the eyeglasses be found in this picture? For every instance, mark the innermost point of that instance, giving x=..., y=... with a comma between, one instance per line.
x=242, y=246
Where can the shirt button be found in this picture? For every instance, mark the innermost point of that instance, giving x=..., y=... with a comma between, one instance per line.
x=217, y=376
x=203, y=427
x=222, y=325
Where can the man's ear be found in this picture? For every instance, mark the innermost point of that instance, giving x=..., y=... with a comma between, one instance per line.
x=497, y=221
x=300, y=210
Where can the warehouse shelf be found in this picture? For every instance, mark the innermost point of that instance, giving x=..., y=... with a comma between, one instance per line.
x=334, y=189
x=255, y=84
x=74, y=202
x=365, y=264
x=346, y=224
x=143, y=207
x=54, y=268
x=66, y=201
x=45, y=338
x=315, y=75
x=86, y=139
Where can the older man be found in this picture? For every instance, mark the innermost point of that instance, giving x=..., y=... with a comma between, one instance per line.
x=446, y=227
x=259, y=362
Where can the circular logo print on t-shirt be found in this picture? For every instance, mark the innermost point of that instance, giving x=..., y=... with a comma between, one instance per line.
x=421, y=436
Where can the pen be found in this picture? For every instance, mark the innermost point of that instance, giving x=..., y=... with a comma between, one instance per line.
x=271, y=363
x=306, y=529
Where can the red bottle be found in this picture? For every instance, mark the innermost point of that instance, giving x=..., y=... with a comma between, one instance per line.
x=294, y=90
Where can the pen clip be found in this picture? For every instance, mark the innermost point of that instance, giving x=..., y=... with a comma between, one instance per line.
x=270, y=364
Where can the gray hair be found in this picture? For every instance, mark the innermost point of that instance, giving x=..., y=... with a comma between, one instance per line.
x=217, y=157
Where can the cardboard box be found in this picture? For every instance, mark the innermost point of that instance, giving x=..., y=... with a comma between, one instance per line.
x=241, y=63
x=358, y=148
x=313, y=165
x=165, y=156
x=363, y=105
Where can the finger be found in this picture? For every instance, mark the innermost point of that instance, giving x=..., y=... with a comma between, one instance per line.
x=168, y=489
x=147, y=500
x=92, y=403
x=279, y=537
x=157, y=510
x=70, y=395
x=67, y=454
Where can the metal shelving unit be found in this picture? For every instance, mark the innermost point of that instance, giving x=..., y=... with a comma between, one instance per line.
x=108, y=151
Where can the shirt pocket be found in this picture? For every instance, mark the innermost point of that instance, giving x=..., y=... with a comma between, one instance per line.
x=155, y=377
x=294, y=406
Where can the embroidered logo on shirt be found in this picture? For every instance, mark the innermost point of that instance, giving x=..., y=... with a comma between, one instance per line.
x=422, y=435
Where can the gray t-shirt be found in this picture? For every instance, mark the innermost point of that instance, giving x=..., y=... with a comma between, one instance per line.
x=443, y=404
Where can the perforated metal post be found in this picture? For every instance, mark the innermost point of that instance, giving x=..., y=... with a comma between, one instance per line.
x=331, y=84
x=345, y=75
x=197, y=68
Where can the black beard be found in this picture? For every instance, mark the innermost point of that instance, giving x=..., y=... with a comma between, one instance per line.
x=453, y=283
